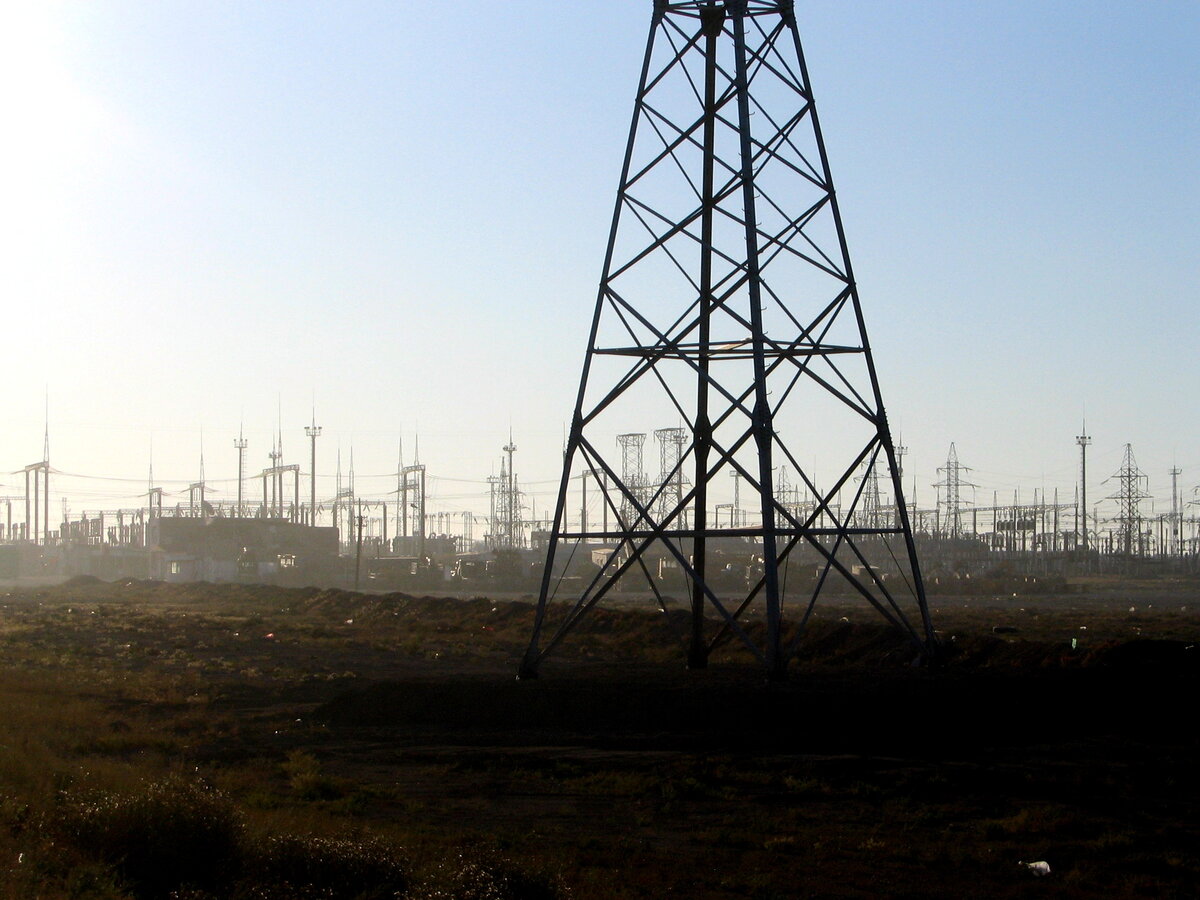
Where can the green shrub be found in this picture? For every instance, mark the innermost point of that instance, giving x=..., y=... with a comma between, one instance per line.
x=304, y=775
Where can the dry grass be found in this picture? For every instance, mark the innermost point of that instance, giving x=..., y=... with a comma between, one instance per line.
x=122, y=708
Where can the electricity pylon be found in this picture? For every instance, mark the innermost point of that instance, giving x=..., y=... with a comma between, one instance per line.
x=727, y=302
x=952, y=500
x=1131, y=491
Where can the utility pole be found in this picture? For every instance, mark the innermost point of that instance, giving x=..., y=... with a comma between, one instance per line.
x=1175, y=510
x=583, y=477
x=602, y=478
x=901, y=450
x=276, y=502
x=358, y=548
x=313, y=431
x=401, y=492
x=197, y=489
x=1054, y=545
x=1082, y=535
x=278, y=463
x=153, y=494
x=421, y=510
x=510, y=510
x=46, y=463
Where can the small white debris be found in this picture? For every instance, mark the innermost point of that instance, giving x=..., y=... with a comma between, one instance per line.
x=1039, y=868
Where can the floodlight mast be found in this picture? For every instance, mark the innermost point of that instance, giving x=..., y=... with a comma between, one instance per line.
x=312, y=432
x=725, y=188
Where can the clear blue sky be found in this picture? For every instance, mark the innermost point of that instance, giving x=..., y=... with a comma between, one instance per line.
x=398, y=211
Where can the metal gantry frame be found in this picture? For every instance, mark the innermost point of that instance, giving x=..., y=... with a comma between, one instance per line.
x=727, y=302
x=40, y=530
x=410, y=490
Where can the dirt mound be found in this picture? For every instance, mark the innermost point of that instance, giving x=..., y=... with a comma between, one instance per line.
x=858, y=645
x=615, y=705
x=79, y=581
x=429, y=627
x=984, y=652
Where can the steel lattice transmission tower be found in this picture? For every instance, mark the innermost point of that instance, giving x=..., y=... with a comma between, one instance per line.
x=952, y=499
x=727, y=303
x=671, y=445
x=1131, y=491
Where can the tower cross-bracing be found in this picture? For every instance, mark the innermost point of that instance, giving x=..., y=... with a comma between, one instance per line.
x=727, y=303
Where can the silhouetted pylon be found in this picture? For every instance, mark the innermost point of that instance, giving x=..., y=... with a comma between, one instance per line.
x=728, y=304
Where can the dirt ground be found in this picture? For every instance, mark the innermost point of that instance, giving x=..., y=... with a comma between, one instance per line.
x=1059, y=728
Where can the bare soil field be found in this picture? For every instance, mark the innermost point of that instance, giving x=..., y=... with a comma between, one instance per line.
x=321, y=743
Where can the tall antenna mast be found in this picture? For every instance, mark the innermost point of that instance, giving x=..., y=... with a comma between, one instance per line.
x=401, y=490
x=1176, y=548
x=1083, y=440
x=313, y=432
x=510, y=507
x=240, y=443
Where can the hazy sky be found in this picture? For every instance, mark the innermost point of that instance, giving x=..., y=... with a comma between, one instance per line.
x=398, y=211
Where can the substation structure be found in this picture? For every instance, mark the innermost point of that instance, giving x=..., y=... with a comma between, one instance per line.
x=407, y=540
x=727, y=303
x=1039, y=531
x=280, y=535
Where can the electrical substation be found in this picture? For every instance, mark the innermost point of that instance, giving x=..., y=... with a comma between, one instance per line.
x=564, y=451
x=728, y=345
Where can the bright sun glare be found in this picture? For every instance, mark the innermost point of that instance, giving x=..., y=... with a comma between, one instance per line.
x=50, y=124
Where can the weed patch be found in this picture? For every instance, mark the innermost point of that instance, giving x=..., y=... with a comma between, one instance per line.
x=166, y=834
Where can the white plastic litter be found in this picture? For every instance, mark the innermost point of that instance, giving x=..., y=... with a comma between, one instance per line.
x=1039, y=868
